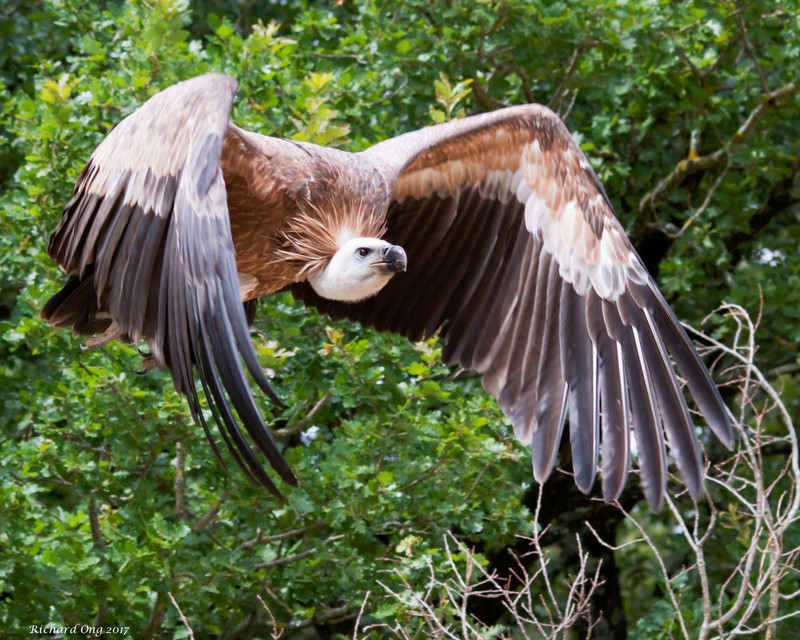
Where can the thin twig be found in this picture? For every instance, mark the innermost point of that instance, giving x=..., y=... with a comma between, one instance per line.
x=702, y=208
x=561, y=90
x=276, y=633
x=294, y=558
x=262, y=539
x=360, y=613
x=750, y=49
x=180, y=613
x=432, y=471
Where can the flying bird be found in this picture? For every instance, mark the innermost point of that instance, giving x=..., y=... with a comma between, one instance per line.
x=492, y=229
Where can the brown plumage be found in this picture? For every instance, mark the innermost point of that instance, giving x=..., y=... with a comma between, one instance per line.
x=513, y=252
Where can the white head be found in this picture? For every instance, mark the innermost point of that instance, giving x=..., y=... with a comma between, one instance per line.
x=359, y=269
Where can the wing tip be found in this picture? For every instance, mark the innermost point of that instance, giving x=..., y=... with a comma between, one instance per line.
x=656, y=503
x=585, y=481
x=612, y=488
x=723, y=429
x=696, y=486
x=698, y=378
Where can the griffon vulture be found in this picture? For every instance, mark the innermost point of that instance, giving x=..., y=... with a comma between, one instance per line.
x=508, y=244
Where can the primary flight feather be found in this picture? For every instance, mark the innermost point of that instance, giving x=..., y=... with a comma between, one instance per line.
x=509, y=245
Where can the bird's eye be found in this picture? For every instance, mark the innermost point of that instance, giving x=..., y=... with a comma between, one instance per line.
x=363, y=252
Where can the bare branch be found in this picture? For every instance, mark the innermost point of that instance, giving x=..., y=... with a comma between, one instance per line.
x=180, y=613
x=276, y=632
x=443, y=607
x=360, y=613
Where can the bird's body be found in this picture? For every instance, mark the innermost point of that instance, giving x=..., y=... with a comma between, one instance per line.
x=511, y=248
x=277, y=249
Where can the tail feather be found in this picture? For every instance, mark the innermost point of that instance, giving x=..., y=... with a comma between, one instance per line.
x=76, y=307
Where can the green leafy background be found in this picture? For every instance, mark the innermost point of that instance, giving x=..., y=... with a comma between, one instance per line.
x=112, y=501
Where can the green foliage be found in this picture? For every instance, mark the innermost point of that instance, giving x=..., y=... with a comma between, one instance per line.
x=113, y=501
x=448, y=97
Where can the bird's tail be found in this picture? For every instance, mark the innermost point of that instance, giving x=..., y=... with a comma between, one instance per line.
x=76, y=307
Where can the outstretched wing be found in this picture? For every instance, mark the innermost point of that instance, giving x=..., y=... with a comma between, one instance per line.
x=515, y=252
x=147, y=242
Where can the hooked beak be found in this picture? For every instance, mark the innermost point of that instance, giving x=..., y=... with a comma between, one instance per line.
x=393, y=257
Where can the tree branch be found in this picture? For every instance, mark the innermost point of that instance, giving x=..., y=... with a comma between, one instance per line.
x=301, y=424
x=690, y=166
x=148, y=463
x=209, y=515
x=561, y=90
x=94, y=525
x=156, y=618
x=262, y=539
x=298, y=556
x=482, y=97
x=180, y=468
x=433, y=470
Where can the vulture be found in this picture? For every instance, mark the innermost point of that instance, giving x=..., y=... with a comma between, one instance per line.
x=491, y=229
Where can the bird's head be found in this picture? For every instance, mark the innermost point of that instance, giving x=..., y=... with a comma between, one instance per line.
x=359, y=269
